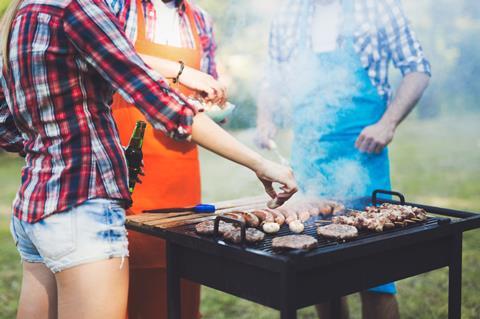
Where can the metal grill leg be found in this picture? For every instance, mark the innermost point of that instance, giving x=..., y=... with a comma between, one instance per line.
x=288, y=309
x=455, y=280
x=173, y=284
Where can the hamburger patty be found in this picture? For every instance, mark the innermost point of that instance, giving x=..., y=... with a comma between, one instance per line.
x=252, y=235
x=338, y=231
x=206, y=227
x=294, y=242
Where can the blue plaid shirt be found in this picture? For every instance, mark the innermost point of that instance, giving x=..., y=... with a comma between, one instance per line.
x=381, y=34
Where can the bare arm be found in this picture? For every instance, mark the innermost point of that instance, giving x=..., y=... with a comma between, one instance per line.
x=375, y=138
x=408, y=94
x=204, y=83
x=212, y=137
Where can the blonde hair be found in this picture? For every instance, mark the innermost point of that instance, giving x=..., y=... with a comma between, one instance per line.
x=5, y=27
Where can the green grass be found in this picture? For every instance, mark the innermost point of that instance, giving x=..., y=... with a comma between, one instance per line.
x=434, y=162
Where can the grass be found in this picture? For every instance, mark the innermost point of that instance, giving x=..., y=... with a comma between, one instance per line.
x=433, y=162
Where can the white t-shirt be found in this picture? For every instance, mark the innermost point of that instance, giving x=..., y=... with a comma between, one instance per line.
x=167, y=24
x=326, y=26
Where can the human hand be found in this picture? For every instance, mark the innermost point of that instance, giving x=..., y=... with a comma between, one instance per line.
x=270, y=172
x=210, y=89
x=374, y=138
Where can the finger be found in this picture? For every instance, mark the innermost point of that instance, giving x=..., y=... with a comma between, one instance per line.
x=372, y=146
x=379, y=149
x=220, y=93
x=363, y=145
x=269, y=188
x=359, y=140
x=210, y=93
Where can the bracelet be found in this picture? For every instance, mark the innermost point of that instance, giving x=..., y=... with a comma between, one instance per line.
x=182, y=67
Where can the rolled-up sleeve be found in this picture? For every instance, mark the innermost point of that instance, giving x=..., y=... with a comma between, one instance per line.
x=400, y=40
x=10, y=138
x=97, y=35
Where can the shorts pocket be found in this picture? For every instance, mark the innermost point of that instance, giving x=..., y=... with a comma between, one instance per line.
x=55, y=236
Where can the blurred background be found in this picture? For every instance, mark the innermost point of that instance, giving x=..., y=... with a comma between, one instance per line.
x=435, y=154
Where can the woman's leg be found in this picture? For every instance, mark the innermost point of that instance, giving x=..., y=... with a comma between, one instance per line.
x=97, y=290
x=38, y=297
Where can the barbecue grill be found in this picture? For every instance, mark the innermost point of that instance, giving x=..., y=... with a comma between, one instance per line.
x=289, y=280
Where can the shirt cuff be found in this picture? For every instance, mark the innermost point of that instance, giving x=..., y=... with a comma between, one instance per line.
x=416, y=67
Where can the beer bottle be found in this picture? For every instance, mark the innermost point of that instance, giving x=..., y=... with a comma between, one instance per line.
x=134, y=154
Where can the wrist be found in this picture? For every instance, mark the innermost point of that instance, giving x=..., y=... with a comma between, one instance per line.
x=256, y=163
x=389, y=122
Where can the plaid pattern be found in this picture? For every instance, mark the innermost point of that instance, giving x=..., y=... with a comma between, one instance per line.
x=66, y=59
x=203, y=23
x=10, y=138
x=381, y=34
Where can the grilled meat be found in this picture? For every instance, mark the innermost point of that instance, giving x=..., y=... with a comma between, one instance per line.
x=338, y=231
x=207, y=227
x=386, y=216
x=252, y=235
x=294, y=242
x=251, y=219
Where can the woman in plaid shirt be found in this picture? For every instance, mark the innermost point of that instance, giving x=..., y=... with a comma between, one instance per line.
x=61, y=62
x=329, y=59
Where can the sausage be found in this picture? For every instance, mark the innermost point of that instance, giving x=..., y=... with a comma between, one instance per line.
x=235, y=215
x=251, y=219
x=303, y=215
x=279, y=218
x=288, y=214
x=264, y=216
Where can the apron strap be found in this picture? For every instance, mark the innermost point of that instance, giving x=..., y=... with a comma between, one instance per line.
x=142, y=26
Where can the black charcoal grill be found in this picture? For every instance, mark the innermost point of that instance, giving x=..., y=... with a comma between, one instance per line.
x=289, y=280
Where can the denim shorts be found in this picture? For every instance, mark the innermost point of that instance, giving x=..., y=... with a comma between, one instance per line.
x=92, y=231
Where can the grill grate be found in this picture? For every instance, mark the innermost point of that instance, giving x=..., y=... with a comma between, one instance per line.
x=310, y=229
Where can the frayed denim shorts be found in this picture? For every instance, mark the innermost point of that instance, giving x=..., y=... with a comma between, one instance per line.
x=92, y=231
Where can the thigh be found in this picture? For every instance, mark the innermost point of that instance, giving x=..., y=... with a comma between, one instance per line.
x=38, y=296
x=95, y=290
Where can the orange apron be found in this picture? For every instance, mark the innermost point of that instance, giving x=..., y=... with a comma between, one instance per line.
x=172, y=174
x=172, y=179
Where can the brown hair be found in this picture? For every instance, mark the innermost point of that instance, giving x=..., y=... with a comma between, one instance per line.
x=5, y=27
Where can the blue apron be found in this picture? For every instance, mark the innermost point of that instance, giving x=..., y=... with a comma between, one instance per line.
x=339, y=103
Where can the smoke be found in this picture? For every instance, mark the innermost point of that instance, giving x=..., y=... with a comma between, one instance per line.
x=435, y=152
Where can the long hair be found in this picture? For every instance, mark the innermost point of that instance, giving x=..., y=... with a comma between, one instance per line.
x=5, y=27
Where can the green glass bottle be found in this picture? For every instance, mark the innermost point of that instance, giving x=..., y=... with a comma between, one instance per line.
x=134, y=154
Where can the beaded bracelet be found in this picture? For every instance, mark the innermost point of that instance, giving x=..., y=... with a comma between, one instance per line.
x=182, y=67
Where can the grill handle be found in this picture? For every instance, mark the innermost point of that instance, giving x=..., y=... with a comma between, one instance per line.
x=392, y=193
x=243, y=228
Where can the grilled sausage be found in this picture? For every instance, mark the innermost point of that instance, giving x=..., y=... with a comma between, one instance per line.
x=289, y=215
x=264, y=216
x=235, y=215
x=251, y=219
x=303, y=215
x=279, y=218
